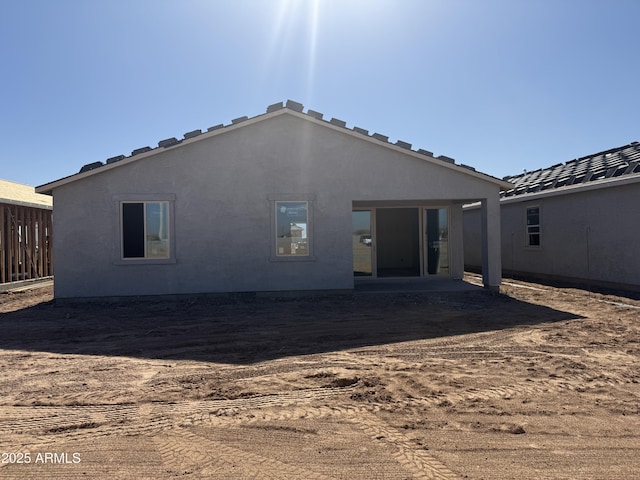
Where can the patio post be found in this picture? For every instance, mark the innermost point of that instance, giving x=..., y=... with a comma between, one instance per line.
x=491, y=257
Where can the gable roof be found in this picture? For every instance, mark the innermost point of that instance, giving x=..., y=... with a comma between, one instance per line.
x=24, y=195
x=291, y=108
x=599, y=169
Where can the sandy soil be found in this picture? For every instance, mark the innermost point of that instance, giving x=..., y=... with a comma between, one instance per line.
x=534, y=383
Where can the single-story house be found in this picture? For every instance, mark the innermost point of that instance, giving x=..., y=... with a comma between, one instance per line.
x=576, y=222
x=282, y=201
x=25, y=234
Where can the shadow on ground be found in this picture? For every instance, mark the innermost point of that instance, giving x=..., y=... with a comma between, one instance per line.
x=245, y=331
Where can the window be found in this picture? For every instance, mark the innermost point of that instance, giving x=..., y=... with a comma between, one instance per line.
x=533, y=226
x=292, y=228
x=145, y=230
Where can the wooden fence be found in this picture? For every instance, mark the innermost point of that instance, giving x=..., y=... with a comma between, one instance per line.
x=25, y=243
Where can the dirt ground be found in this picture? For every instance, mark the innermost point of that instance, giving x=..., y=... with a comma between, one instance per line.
x=536, y=382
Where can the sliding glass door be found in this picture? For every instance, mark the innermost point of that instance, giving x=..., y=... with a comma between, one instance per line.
x=436, y=241
x=362, y=243
x=387, y=242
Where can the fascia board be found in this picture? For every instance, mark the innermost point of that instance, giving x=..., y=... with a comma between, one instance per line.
x=21, y=203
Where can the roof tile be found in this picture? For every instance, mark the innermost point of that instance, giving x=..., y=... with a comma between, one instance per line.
x=192, y=134
x=297, y=107
x=90, y=166
x=608, y=164
x=138, y=151
x=168, y=142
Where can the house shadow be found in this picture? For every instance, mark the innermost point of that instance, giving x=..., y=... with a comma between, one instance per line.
x=246, y=330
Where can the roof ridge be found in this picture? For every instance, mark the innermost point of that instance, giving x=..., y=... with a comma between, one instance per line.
x=290, y=105
x=296, y=109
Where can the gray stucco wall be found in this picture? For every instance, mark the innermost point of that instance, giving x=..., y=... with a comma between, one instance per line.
x=589, y=236
x=222, y=221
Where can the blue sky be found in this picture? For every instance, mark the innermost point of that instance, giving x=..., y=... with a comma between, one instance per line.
x=502, y=85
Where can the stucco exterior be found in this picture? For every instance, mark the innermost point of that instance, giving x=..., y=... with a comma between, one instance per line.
x=221, y=187
x=588, y=234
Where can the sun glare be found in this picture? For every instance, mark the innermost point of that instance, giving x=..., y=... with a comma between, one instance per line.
x=314, y=19
x=296, y=27
x=303, y=30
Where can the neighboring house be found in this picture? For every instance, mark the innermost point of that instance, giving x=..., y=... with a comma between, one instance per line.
x=276, y=202
x=577, y=222
x=25, y=234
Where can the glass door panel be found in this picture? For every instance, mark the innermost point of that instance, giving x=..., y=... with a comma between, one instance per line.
x=436, y=224
x=362, y=243
x=397, y=242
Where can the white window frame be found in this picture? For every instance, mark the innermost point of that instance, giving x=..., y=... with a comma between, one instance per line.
x=274, y=201
x=528, y=243
x=119, y=201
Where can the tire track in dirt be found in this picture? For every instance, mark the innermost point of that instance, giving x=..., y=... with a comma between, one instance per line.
x=479, y=347
x=195, y=453
x=82, y=421
x=193, y=412
x=39, y=419
x=415, y=460
x=574, y=383
x=571, y=383
x=453, y=341
x=276, y=414
x=294, y=406
x=410, y=456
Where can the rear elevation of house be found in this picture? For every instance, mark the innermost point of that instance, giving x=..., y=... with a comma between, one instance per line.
x=577, y=222
x=25, y=234
x=282, y=201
